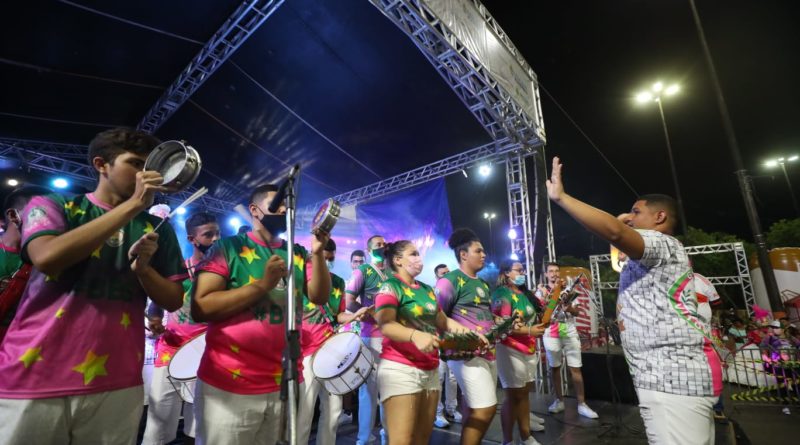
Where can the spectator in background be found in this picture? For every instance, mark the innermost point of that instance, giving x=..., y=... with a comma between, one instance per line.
x=357, y=259
x=738, y=333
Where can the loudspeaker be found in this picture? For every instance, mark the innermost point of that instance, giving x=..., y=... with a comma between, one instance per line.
x=596, y=376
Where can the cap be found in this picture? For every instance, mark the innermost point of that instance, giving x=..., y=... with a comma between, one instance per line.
x=775, y=324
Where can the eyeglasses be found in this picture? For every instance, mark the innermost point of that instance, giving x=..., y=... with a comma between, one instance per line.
x=519, y=271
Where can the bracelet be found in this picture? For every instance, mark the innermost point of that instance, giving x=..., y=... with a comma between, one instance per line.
x=411, y=337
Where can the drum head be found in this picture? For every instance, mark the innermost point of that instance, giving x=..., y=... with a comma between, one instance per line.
x=336, y=355
x=178, y=163
x=186, y=361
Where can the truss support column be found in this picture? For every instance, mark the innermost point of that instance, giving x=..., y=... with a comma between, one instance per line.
x=744, y=277
x=519, y=212
x=597, y=294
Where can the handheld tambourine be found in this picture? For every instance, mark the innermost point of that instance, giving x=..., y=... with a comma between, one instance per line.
x=326, y=217
x=178, y=163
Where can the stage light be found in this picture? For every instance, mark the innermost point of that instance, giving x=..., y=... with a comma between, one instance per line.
x=235, y=222
x=658, y=86
x=181, y=211
x=512, y=233
x=644, y=96
x=60, y=183
x=12, y=182
x=465, y=173
x=485, y=170
x=514, y=256
x=672, y=89
x=793, y=158
x=771, y=163
x=485, y=215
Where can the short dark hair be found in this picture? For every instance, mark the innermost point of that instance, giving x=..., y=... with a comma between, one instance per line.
x=111, y=143
x=197, y=220
x=369, y=240
x=244, y=229
x=551, y=263
x=460, y=240
x=330, y=246
x=440, y=266
x=261, y=191
x=19, y=197
x=663, y=202
x=357, y=253
x=393, y=250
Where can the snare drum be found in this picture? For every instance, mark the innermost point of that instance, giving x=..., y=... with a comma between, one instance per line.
x=342, y=364
x=183, y=367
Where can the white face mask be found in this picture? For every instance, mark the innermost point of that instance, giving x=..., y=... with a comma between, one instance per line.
x=330, y=264
x=414, y=265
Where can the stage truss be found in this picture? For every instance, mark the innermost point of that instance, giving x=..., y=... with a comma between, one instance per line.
x=742, y=278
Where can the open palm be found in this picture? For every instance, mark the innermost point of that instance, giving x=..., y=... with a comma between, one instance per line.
x=555, y=188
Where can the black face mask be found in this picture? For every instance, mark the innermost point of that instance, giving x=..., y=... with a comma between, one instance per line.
x=276, y=224
x=202, y=248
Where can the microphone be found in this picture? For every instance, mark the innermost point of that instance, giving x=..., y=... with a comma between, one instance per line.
x=279, y=197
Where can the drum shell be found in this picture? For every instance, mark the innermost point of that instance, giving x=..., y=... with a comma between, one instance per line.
x=353, y=372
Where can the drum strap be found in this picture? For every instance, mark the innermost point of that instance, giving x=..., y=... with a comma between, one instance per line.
x=380, y=273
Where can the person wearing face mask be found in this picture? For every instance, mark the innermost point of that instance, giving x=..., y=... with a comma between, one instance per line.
x=319, y=323
x=164, y=402
x=517, y=361
x=410, y=319
x=466, y=298
x=241, y=292
x=363, y=286
x=10, y=260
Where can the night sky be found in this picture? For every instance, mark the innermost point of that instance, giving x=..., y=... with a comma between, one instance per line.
x=592, y=58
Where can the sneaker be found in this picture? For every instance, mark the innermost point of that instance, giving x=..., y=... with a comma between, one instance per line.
x=441, y=422
x=457, y=417
x=536, y=427
x=786, y=410
x=344, y=419
x=556, y=407
x=536, y=419
x=530, y=441
x=585, y=411
x=384, y=437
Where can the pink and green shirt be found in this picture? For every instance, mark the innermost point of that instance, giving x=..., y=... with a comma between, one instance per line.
x=505, y=303
x=319, y=322
x=467, y=300
x=180, y=326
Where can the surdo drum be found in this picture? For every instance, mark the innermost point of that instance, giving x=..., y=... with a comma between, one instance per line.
x=178, y=163
x=342, y=364
x=184, y=365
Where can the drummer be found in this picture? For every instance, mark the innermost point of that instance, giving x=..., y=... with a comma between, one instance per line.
x=71, y=362
x=164, y=402
x=241, y=292
x=410, y=319
x=319, y=323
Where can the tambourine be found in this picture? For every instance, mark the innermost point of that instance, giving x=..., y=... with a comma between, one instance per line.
x=326, y=217
x=178, y=163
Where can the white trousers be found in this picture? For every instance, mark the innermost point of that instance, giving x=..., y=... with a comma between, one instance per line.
x=330, y=406
x=447, y=378
x=672, y=419
x=106, y=418
x=477, y=378
x=164, y=411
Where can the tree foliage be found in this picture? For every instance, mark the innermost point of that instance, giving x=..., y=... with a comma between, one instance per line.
x=784, y=233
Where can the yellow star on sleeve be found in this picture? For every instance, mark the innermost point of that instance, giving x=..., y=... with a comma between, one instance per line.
x=515, y=298
x=93, y=366
x=251, y=279
x=235, y=348
x=479, y=328
x=165, y=357
x=235, y=373
x=477, y=300
x=31, y=356
x=60, y=312
x=72, y=209
x=417, y=310
x=369, y=272
x=96, y=252
x=310, y=305
x=148, y=228
x=249, y=254
x=336, y=292
x=431, y=296
x=408, y=292
x=126, y=320
x=461, y=282
x=299, y=261
x=463, y=312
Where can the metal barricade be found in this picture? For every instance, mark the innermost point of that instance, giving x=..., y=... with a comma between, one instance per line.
x=763, y=376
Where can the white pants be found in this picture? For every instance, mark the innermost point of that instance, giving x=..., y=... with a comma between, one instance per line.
x=225, y=418
x=447, y=378
x=330, y=406
x=569, y=346
x=477, y=378
x=164, y=410
x=671, y=419
x=110, y=417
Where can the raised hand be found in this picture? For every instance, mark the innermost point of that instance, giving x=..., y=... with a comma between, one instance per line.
x=147, y=184
x=555, y=187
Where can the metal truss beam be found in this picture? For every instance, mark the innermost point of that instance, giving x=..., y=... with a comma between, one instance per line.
x=742, y=279
x=519, y=211
x=45, y=156
x=236, y=29
x=467, y=76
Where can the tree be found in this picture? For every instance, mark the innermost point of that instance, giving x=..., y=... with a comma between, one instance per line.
x=784, y=233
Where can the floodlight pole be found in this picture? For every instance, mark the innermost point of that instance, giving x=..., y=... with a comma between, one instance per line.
x=791, y=191
x=745, y=181
x=678, y=196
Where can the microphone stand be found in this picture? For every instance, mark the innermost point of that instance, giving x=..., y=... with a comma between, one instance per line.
x=291, y=354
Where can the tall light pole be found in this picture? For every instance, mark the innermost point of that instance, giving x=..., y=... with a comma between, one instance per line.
x=489, y=217
x=782, y=162
x=655, y=94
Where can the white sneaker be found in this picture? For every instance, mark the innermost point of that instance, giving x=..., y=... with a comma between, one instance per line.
x=441, y=422
x=536, y=419
x=457, y=417
x=530, y=441
x=556, y=407
x=786, y=410
x=585, y=411
x=344, y=419
x=536, y=427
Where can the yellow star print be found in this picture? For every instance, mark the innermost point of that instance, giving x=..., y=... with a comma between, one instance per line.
x=417, y=310
x=73, y=210
x=235, y=348
x=369, y=272
x=278, y=376
x=336, y=292
x=431, y=296
x=408, y=292
x=148, y=228
x=461, y=282
x=93, y=366
x=299, y=262
x=477, y=300
x=515, y=298
x=96, y=253
x=251, y=279
x=126, y=320
x=479, y=328
x=310, y=306
x=463, y=312
x=31, y=356
x=249, y=254
x=165, y=357
x=51, y=277
x=60, y=312
x=235, y=373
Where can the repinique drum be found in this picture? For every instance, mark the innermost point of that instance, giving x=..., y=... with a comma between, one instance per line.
x=342, y=364
x=178, y=163
x=184, y=365
x=326, y=217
